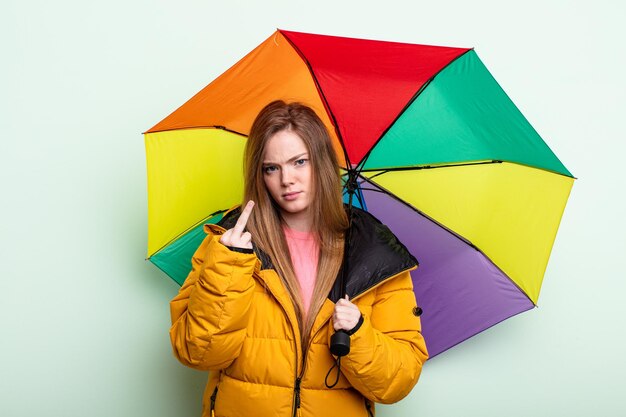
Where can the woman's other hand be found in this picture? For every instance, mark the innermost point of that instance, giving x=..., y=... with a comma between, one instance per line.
x=237, y=237
x=346, y=315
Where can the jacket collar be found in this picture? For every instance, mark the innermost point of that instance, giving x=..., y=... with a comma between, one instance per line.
x=374, y=254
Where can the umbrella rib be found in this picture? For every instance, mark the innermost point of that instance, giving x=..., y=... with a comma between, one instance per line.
x=323, y=98
x=381, y=171
x=408, y=104
x=417, y=168
x=373, y=190
x=201, y=127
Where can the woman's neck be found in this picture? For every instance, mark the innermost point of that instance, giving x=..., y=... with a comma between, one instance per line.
x=300, y=222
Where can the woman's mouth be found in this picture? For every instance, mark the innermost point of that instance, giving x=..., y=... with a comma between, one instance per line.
x=291, y=196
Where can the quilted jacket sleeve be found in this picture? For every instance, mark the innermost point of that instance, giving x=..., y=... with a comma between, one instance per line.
x=210, y=313
x=388, y=351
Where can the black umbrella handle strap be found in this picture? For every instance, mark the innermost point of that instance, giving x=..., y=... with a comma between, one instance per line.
x=338, y=366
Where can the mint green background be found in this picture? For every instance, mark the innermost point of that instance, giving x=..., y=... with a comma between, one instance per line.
x=84, y=318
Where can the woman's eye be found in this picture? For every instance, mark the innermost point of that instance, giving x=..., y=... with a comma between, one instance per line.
x=300, y=161
x=269, y=169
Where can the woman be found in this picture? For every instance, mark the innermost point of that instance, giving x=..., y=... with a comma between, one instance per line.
x=263, y=299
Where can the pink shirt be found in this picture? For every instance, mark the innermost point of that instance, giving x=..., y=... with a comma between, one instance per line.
x=304, y=251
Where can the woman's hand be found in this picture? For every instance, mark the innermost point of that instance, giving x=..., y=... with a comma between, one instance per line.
x=346, y=315
x=236, y=237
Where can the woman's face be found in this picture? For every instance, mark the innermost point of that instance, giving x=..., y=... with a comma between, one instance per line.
x=287, y=173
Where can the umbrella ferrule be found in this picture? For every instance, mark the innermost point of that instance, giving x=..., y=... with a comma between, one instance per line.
x=351, y=184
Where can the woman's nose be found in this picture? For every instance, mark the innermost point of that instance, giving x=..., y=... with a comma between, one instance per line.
x=287, y=176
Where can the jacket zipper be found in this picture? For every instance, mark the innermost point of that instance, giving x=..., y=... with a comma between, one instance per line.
x=296, y=391
x=299, y=378
x=213, y=397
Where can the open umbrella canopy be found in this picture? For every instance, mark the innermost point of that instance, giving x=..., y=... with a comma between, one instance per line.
x=442, y=156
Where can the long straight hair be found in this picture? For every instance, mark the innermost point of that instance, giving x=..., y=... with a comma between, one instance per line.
x=328, y=215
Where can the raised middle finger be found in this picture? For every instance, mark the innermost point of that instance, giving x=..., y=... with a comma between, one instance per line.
x=243, y=218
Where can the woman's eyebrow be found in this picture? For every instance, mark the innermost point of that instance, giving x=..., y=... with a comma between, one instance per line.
x=292, y=159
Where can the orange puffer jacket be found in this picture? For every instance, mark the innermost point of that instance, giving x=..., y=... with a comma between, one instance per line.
x=234, y=317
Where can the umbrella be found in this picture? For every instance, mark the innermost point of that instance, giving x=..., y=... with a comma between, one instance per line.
x=438, y=151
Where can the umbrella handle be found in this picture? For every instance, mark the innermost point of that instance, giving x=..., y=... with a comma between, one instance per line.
x=340, y=343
